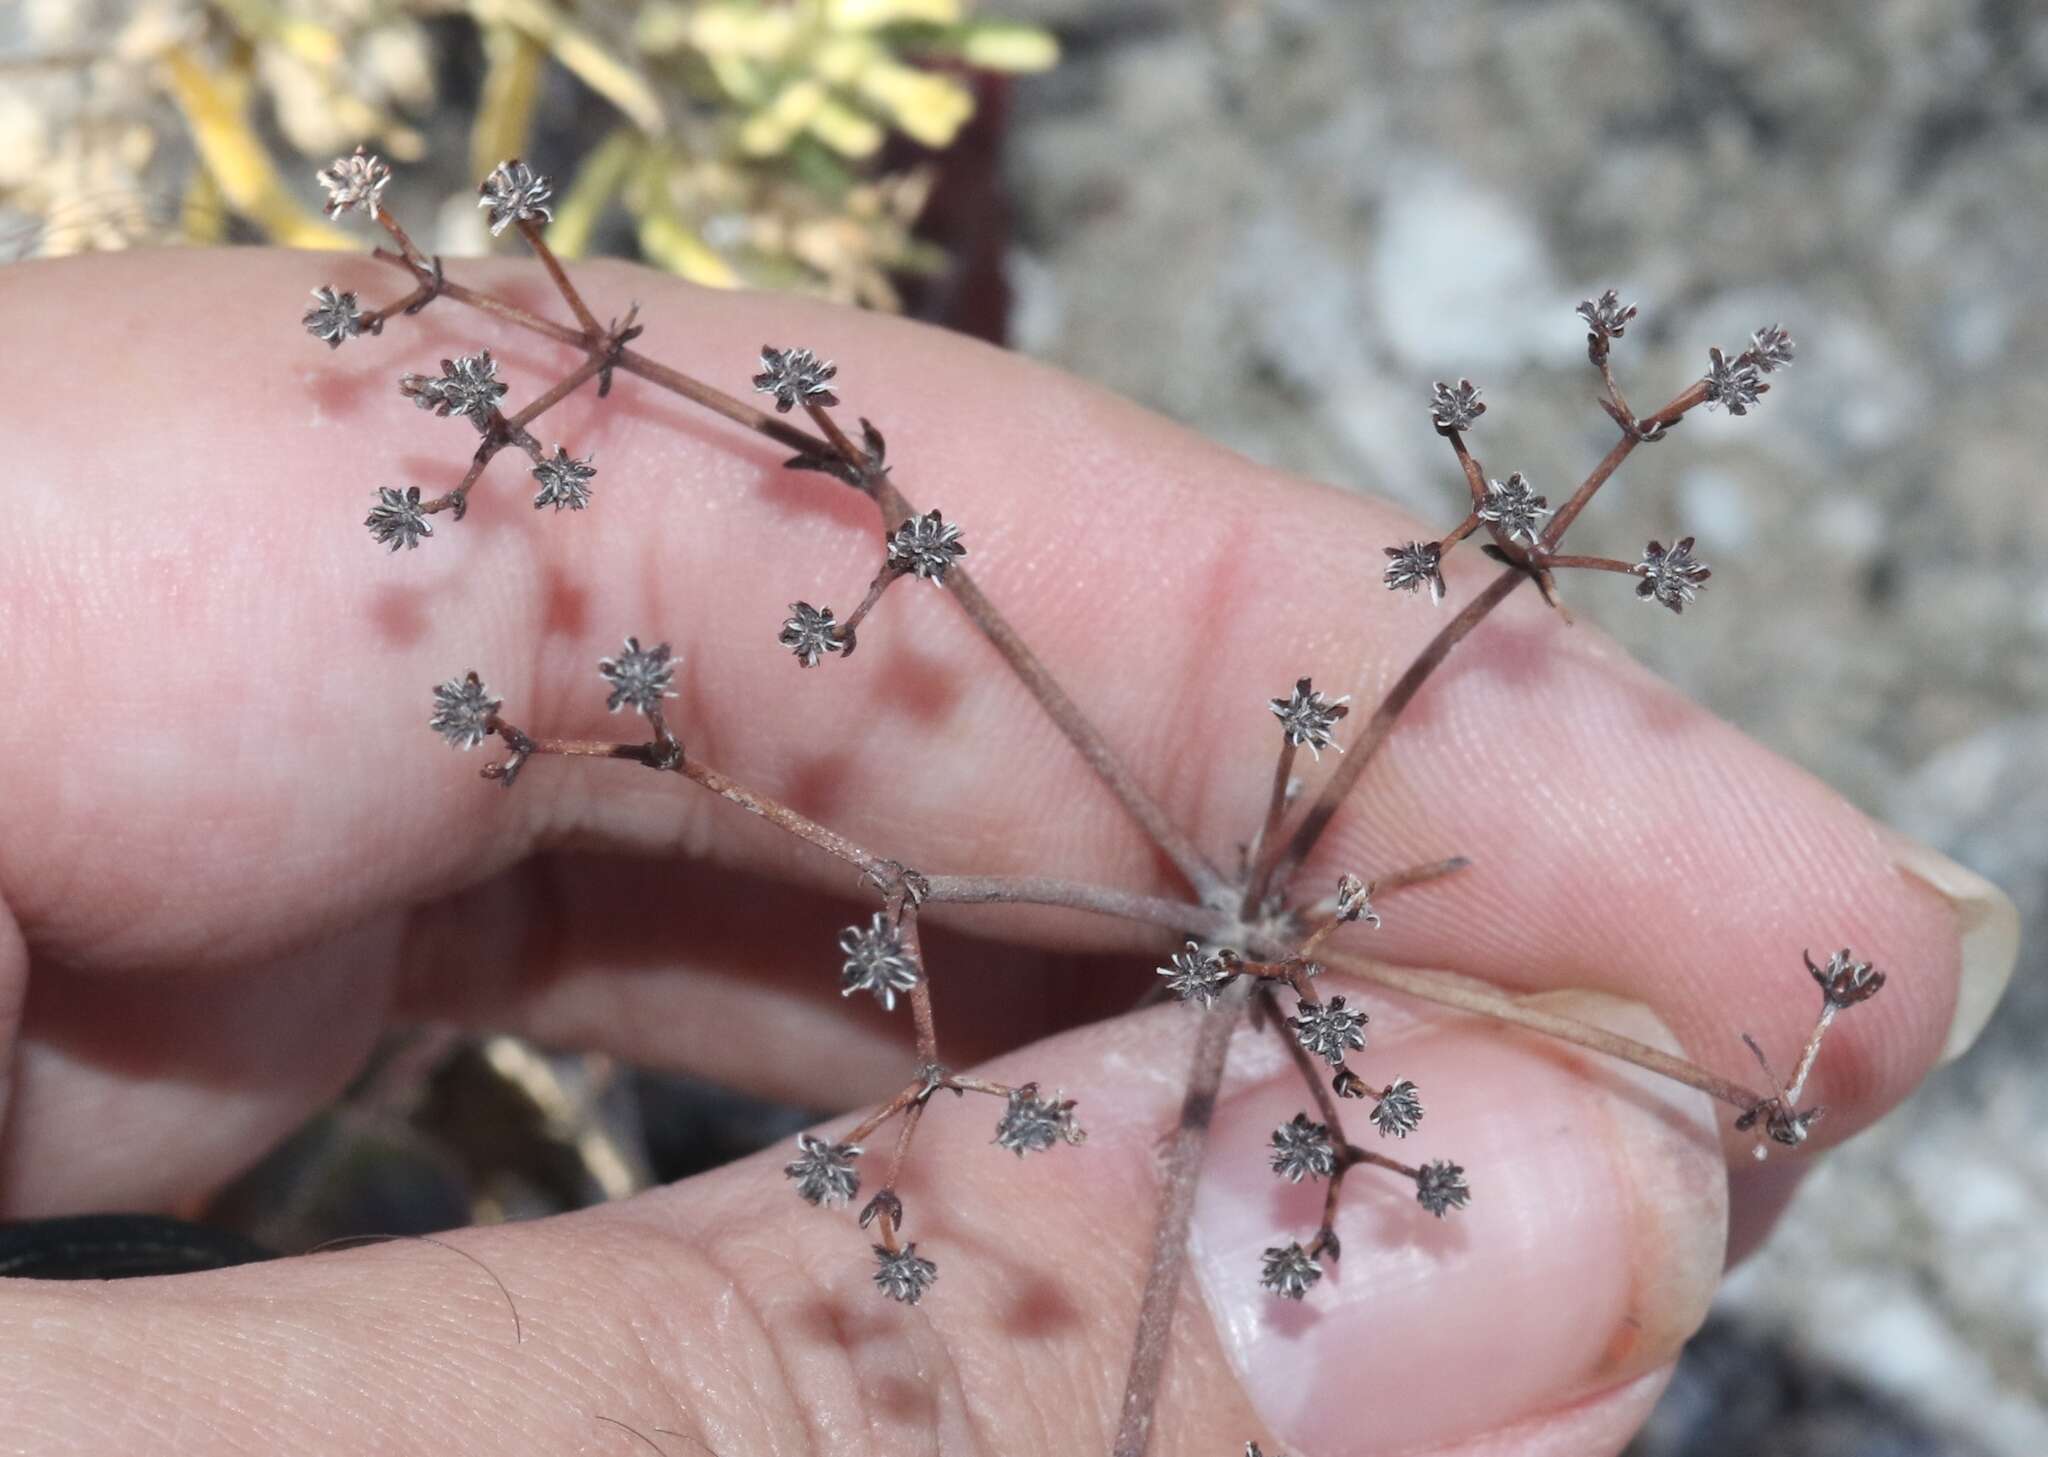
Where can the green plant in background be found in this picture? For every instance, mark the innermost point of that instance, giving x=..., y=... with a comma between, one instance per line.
x=745, y=142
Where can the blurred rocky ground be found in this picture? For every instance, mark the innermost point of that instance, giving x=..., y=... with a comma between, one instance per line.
x=1279, y=220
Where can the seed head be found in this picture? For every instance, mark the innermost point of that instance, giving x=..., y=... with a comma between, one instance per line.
x=823, y=1171
x=1736, y=385
x=1845, y=981
x=1289, y=1271
x=809, y=633
x=1413, y=566
x=1329, y=1029
x=1606, y=317
x=355, y=182
x=1031, y=1124
x=1440, y=1187
x=876, y=962
x=1455, y=407
x=468, y=387
x=926, y=546
x=1772, y=348
x=902, y=1274
x=795, y=377
x=1398, y=1113
x=639, y=677
x=1195, y=975
x=1515, y=508
x=1781, y=1123
x=515, y=193
x=1673, y=577
x=1302, y=1149
x=333, y=317
x=1307, y=717
x=1354, y=900
x=564, y=481
x=463, y=709
x=397, y=520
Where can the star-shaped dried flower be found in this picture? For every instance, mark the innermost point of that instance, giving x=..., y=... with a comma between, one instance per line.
x=1354, y=900
x=515, y=193
x=397, y=520
x=1289, y=1271
x=1415, y=565
x=564, y=481
x=809, y=632
x=1845, y=981
x=1195, y=975
x=1455, y=407
x=1772, y=349
x=1307, y=717
x=468, y=387
x=1302, y=1149
x=876, y=962
x=1440, y=1187
x=333, y=317
x=902, y=1274
x=639, y=677
x=824, y=1171
x=1671, y=576
x=1398, y=1112
x=795, y=377
x=1329, y=1029
x=926, y=546
x=1515, y=508
x=1607, y=317
x=355, y=182
x=1031, y=1124
x=1736, y=385
x=463, y=708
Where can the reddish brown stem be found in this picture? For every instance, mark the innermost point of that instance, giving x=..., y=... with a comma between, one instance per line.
x=1281, y=861
x=1591, y=563
x=1060, y=708
x=1170, y=1239
x=1276, y=809
x=1192, y=920
x=593, y=332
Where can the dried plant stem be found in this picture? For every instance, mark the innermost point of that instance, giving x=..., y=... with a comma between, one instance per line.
x=1037, y=679
x=845, y=631
x=1276, y=809
x=1611, y=462
x=921, y=993
x=846, y=449
x=1475, y=478
x=1281, y=861
x=1442, y=990
x=780, y=815
x=1420, y=874
x=1182, y=1172
x=1459, y=532
x=1180, y=916
x=1592, y=564
x=530, y=230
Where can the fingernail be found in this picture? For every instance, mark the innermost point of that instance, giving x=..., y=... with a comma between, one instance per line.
x=1590, y=1250
x=1989, y=925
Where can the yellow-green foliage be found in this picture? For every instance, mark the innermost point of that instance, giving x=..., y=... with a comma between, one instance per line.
x=746, y=148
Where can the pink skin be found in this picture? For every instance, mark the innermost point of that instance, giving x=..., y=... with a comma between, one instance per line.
x=233, y=852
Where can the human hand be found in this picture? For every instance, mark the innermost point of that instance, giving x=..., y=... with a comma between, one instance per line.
x=231, y=854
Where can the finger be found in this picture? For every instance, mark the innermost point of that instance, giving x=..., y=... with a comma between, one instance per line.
x=1590, y=1249
x=1601, y=811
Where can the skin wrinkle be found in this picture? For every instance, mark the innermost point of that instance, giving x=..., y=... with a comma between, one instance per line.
x=740, y=1295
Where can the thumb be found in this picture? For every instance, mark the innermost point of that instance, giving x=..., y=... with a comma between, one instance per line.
x=726, y=1309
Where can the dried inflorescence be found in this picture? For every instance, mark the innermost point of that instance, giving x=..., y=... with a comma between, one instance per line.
x=1248, y=939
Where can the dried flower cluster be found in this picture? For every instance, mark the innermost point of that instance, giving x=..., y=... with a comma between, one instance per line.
x=1247, y=939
